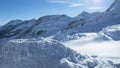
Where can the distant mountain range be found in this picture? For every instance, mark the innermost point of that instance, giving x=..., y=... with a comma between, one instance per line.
x=54, y=24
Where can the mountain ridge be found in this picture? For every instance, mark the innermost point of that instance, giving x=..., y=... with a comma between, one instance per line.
x=53, y=24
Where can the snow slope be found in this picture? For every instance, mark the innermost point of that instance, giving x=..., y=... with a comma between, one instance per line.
x=110, y=33
x=86, y=46
x=43, y=53
x=104, y=43
x=48, y=25
x=14, y=22
x=114, y=8
x=15, y=28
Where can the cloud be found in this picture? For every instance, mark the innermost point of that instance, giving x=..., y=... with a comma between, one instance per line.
x=92, y=5
x=97, y=3
x=58, y=1
x=76, y=5
x=70, y=3
x=95, y=8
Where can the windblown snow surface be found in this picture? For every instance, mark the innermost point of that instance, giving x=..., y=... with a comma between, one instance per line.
x=87, y=46
x=44, y=53
x=101, y=44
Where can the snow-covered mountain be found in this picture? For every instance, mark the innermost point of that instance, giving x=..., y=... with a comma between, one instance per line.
x=15, y=27
x=44, y=26
x=114, y=7
x=47, y=25
x=62, y=24
x=21, y=48
x=110, y=33
x=43, y=53
x=96, y=18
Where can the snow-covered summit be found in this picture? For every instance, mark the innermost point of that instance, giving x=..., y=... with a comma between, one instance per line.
x=82, y=15
x=114, y=9
x=14, y=22
x=11, y=24
x=114, y=6
x=53, y=17
x=14, y=28
x=47, y=25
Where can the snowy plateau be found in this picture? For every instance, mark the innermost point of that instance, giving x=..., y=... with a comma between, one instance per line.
x=89, y=40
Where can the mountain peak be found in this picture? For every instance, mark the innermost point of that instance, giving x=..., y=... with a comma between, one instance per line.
x=84, y=13
x=115, y=6
x=52, y=17
x=14, y=22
